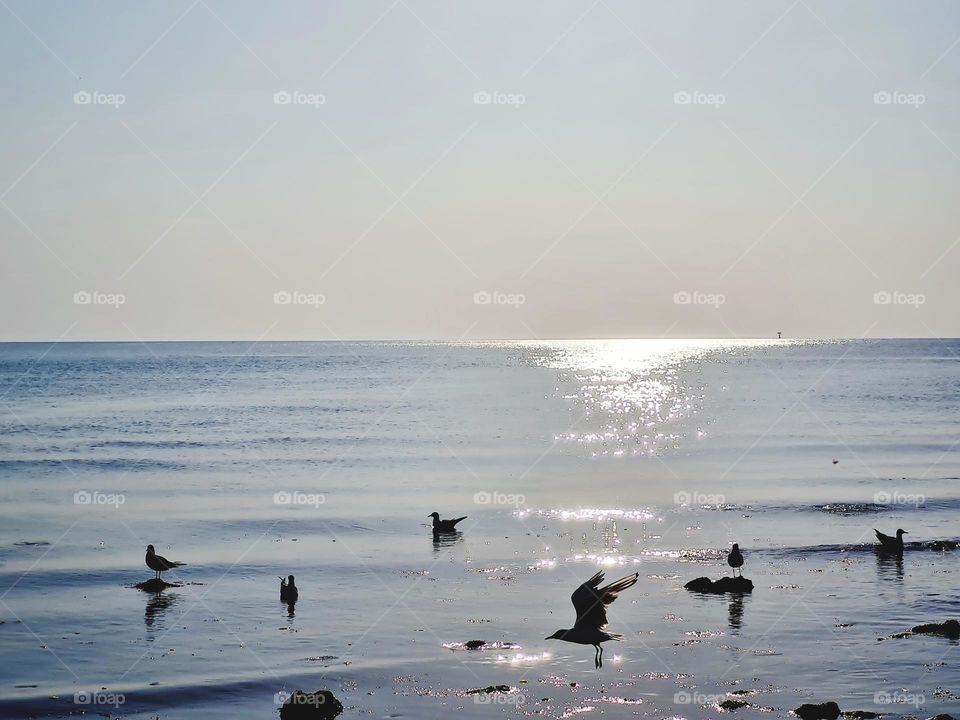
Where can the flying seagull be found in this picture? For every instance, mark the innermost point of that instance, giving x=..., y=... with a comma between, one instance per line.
x=735, y=559
x=444, y=525
x=288, y=590
x=891, y=544
x=158, y=562
x=590, y=603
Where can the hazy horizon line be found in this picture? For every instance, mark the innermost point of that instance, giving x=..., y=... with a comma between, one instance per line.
x=440, y=341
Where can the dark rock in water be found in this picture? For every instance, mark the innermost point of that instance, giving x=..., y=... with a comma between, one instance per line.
x=943, y=545
x=723, y=585
x=319, y=705
x=489, y=689
x=942, y=716
x=860, y=714
x=822, y=711
x=950, y=629
x=155, y=585
x=482, y=645
x=731, y=705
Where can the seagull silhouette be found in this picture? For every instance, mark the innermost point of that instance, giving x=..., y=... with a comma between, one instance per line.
x=891, y=544
x=444, y=525
x=735, y=559
x=158, y=562
x=591, y=602
x=288, y=590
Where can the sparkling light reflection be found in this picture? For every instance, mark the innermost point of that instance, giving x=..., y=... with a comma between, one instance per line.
x=637, y=397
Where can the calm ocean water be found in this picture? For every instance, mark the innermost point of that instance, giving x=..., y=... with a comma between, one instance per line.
x=250, y=461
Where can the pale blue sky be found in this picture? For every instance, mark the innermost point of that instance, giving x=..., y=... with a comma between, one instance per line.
x=583, y=209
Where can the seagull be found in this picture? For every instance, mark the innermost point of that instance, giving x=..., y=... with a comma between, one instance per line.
x=590, y=603
x=735, y=559
x=891, y=544
x=444, y=525
x=288, y=590
x=158, y=562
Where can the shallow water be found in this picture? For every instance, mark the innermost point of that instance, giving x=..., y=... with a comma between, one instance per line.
x=631, y=456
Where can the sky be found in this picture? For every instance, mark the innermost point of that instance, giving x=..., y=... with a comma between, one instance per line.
x=403, y=169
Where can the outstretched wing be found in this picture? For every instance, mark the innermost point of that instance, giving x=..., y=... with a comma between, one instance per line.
x=590, y=601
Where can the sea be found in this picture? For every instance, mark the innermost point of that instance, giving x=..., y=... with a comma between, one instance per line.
x=249, y=461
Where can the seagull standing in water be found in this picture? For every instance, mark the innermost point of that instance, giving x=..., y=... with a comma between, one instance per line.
x=159, y=563
x=440, y=526
x=288, y=590
x=735, y=559
x=891, y=544
x=591, y=603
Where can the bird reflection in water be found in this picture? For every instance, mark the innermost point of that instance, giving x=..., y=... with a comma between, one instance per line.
x=446, y=539
x=157, y=605
x=735, y=612
x=889, y=565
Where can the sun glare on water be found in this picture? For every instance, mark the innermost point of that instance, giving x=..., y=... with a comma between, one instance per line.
x=635, y=397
